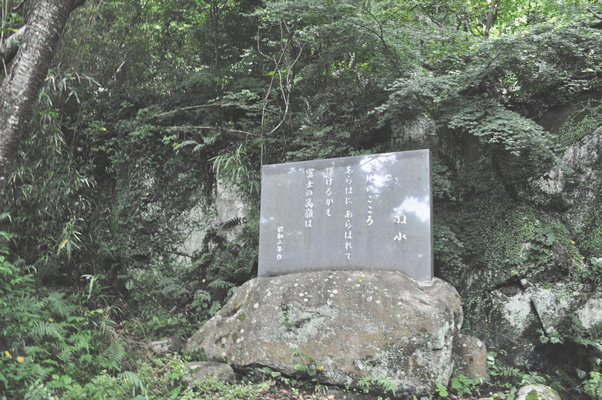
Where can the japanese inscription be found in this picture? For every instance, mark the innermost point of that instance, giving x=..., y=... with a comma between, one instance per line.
x=328, y=172
x=309, y=205
x=370, y=179
x=348, y=213
x=279, y=243
x=364, y=212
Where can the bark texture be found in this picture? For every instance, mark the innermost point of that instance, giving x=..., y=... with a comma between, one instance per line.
x=21, y=87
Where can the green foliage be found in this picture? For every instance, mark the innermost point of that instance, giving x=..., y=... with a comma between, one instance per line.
x=305, y=364
x=49, y=197
x=590, y=339
x=158, y=378
x=582, y=121
x=464, y=385
x=589, y=237
x=267, y=372
x=163, y=377
x=237, y=169
x=229, y=264
x=552, y=337
x=448, y=251
x=382, y=384
x=593, y=271
x=442, y=390
x=308, y=367
x=593, y=385
x=149, y=106
x=540, y=249
x=579, y=369
x=49, y=341
x=507, y=378
x=211, y=389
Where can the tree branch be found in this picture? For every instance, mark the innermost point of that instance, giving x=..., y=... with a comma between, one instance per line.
x=10, y=47
x=594, y=13
x=219, y=128
x=244, y=107
x=17, y=6
x=494, y=3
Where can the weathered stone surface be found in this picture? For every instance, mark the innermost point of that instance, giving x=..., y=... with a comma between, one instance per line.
x=566, y=185
x=170, y=345
x=553, y=307
x=591, y=313
x=199, y=370
x=191, y=226
x=338, y=394
x=513, y=326
x=542, y=393
x=354, y=324
x=229, y=204
x=470, y=357
x=519, y=316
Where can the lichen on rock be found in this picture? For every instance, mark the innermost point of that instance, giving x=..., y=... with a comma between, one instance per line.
x=353, y=324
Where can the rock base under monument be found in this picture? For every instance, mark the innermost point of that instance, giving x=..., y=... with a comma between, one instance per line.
x=351, y=325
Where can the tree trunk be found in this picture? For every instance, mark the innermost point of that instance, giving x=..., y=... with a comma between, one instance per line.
x=21, y=87
x=489, y=23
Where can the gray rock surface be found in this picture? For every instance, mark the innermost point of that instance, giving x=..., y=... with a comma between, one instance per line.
x=569, y=185
x=199, y=370
x=470, y=357
x=353, y=324
x=338, y=394
x=543, y=392
x=520, y=316
x=591, y=313
x=169, y=345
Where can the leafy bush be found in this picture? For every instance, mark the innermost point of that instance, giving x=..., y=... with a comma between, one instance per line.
x=49, y=342
x=160, y=378
x=212, y=389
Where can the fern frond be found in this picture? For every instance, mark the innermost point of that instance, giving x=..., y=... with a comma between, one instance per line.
x=174, y=290
x=80, y=341
x=29, y=303
x=65, y=352
x=202, y=262
x=221, y=284
x=105, y=328
x=114, y=355
x=133, y=379
x=43, y=328
x=595, y=331
x=231, y=224
x=58, y=305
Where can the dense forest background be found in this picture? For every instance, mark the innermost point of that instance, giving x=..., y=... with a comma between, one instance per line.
x=152, y=107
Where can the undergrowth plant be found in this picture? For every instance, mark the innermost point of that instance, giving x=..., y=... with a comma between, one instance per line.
x=510, y=379
x=382, y=384
x=307, y=367
x=49, y=340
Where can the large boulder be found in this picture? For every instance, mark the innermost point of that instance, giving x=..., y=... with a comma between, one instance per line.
x=537, y=392
x=522, y=314
x=198, y=371
x=352, y=324
x=169, y=345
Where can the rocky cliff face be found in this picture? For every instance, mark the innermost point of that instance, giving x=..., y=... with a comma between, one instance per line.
x=348, y=325
x=570, y=185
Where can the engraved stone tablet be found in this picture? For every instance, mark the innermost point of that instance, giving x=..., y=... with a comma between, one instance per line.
x=367, y=212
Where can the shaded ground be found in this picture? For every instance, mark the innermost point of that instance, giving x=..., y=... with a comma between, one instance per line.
x=337, y=394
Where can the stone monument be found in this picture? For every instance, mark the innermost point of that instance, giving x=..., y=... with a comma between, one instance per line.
x=370, y=212
x=346, y=280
